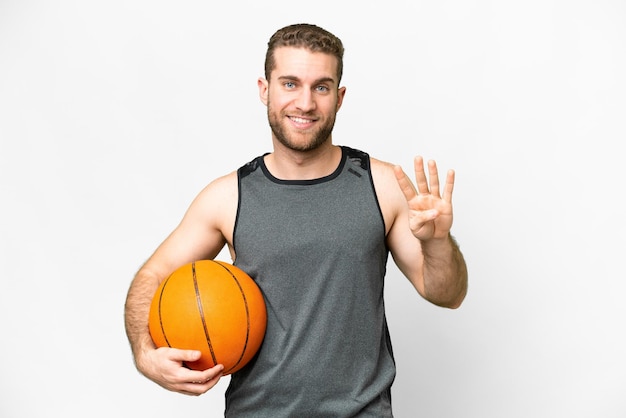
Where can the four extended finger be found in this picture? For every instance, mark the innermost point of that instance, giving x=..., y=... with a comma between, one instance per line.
x=424, y=185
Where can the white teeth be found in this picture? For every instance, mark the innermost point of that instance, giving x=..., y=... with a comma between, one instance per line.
x=300, y=120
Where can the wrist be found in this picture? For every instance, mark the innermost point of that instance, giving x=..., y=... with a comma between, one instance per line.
x=438, y=240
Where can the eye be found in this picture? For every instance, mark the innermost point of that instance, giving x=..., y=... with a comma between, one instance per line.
x=289, y=84
x=322, y=89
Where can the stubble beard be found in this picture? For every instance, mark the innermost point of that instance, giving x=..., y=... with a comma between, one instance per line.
x=316, y=138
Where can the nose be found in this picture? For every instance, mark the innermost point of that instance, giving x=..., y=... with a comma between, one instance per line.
x=305, y=102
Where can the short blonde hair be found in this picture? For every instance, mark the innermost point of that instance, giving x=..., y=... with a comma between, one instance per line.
x=304, y=35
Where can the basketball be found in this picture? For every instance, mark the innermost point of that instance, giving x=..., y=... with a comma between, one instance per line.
x=213, y=307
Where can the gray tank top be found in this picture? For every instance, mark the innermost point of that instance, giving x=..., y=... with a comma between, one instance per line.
x=316, y=248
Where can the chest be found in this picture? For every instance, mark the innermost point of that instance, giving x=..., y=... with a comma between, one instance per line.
x=342, y=215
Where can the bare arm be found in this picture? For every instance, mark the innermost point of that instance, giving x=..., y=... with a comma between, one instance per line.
x=445, y=272
x=202, y=233
x=419, y=234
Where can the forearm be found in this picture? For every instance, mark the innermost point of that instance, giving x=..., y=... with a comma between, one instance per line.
x=445, y=272
x=136, y=313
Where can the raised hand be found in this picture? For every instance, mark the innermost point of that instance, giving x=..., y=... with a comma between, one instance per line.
x=430, y=213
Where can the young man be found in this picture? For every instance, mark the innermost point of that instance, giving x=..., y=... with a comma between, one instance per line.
x=313, y=224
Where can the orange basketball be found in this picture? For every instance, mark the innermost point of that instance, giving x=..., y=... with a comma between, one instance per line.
x=213, y=307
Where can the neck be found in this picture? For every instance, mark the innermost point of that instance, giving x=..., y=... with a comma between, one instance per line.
x=287, y=164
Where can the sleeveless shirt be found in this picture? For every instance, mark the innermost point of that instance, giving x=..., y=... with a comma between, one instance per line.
x=317, y=250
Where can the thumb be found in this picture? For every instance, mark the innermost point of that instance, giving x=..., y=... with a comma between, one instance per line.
x=187, y=355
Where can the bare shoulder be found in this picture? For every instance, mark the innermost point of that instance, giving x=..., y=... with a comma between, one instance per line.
x=216, y=205
x=381, y=169
x=224, y=187
x=205, y=228
x=390, y=197
x=220, y=195
x=384, y=179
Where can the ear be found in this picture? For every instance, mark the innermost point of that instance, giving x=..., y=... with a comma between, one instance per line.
x=340, y=95
x=263, y=90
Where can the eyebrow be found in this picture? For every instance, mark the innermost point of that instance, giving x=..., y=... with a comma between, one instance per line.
x=318, y=81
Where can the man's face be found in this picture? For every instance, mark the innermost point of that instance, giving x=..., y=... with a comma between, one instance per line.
x=302, y=97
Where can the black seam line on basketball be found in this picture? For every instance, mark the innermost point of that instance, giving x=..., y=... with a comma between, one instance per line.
x=160, y=316
x=245, y=303
x=199, y=303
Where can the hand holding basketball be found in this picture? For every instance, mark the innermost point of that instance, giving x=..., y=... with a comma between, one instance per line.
x=165, y=367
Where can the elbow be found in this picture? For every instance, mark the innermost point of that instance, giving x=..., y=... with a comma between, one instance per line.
x=456, y=303
x=450, y=300
x=460, y=297
x=449, y=303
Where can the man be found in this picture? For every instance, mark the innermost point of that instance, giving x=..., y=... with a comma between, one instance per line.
x=312, y=223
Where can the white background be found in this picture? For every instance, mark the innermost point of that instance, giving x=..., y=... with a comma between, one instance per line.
x=113, y=115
